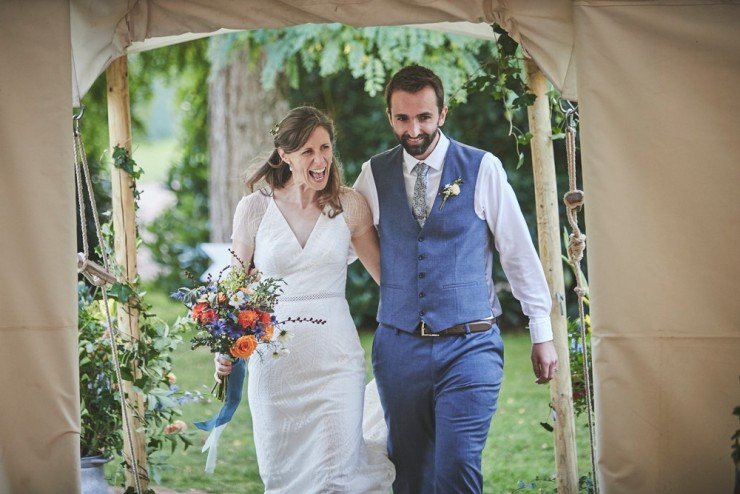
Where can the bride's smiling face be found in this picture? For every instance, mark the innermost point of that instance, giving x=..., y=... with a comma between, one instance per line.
x=311, y=163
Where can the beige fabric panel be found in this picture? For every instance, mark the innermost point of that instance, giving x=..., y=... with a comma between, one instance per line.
x=39, y=415
x=103, y=30
x=545, y=29
x=660, y=117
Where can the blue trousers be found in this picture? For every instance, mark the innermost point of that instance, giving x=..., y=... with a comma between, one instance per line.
x=439, y=395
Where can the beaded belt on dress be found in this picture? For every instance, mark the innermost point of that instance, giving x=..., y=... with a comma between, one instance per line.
x=312, y=296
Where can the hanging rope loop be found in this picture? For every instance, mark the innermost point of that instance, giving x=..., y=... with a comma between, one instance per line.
x=574, y=200
x=95, y=273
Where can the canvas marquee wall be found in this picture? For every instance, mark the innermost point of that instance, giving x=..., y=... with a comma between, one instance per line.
x=655, y=81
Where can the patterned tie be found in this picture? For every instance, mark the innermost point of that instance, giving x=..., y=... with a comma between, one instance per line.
x=420, y=192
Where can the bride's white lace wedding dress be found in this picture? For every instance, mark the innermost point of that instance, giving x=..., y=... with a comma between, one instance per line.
x=307, y=406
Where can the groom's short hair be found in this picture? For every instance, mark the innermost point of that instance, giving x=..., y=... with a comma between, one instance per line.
x=413, y=79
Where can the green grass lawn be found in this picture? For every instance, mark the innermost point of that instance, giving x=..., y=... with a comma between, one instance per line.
x=518, y=447
x=155, y=158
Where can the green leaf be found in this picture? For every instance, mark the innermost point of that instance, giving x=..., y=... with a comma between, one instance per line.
x=520, y=162
x=121, y=292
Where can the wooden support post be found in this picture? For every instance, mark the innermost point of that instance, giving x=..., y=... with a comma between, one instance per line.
x=548, y=232
x=124, y=229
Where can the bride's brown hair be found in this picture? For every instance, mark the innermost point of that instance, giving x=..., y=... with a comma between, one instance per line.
x=290, y=134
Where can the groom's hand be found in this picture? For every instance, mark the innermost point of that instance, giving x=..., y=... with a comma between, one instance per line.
x=544, y=361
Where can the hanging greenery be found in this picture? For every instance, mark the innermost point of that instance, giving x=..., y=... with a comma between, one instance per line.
x=151, y=350
x=503, y=77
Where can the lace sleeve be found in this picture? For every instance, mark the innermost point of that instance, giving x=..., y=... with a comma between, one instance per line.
x=357, y=213
x=247, y=218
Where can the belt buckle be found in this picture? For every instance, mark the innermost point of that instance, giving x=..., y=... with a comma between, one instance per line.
x=424, y=331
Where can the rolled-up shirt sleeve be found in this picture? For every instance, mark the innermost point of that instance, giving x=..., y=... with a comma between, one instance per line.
x=496, y=202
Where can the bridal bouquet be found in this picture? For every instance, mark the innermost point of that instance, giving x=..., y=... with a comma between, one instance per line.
x=233, y=315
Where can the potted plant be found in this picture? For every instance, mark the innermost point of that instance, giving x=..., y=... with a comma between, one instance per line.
x=100, y=406
x=101, y=433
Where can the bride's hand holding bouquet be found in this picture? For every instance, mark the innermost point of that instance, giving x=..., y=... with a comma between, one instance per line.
x=234, y=317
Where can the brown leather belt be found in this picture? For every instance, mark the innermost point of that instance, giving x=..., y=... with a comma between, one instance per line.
x=460, y=329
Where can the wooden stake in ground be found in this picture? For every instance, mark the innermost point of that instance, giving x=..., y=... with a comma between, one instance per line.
x=124, y=229
x=548, y=233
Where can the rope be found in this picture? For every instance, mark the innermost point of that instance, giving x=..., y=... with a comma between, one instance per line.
x=573, y=200
x=99, y=276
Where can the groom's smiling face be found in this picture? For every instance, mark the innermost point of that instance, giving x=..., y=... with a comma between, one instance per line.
x=416, y=119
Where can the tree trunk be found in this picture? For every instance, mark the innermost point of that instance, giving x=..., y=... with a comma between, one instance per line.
x=241, y=114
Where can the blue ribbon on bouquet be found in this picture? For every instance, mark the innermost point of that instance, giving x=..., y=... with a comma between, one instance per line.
x=216, y=425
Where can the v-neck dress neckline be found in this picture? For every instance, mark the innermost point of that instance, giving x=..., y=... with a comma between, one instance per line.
x=286, y=224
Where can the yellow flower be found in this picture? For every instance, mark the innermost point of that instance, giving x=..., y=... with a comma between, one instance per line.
x=454, y=189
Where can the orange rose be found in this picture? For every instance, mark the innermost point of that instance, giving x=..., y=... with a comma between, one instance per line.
x=247, y=318
x=207, y=316
x=244, y=347
x=269, y=330
x=198, y=309
x=265, y=318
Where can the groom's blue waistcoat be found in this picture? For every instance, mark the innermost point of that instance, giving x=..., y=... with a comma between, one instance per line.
x=437, y=273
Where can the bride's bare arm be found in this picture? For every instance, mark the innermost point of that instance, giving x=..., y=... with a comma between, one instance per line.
x=244, y=252
x=367, y=248
x=364, y=235
x=247, y=219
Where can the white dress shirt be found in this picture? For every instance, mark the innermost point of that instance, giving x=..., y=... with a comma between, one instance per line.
x=495, y=203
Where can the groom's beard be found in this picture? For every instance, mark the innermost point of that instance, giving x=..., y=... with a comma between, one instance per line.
x=417, y=149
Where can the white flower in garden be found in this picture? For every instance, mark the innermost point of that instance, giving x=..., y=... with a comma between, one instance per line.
x=237, y=299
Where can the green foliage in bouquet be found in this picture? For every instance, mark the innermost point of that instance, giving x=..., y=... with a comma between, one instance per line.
x=233, y=314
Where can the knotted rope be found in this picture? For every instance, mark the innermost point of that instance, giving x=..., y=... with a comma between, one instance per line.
x=574, y=200
x=98, y=275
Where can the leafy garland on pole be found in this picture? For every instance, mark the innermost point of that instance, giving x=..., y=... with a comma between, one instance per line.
x=503, y=76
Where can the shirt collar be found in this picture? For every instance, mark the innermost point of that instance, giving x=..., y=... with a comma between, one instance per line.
x=434, y=160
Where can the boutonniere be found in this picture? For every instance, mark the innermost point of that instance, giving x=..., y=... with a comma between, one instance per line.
x=450, y=190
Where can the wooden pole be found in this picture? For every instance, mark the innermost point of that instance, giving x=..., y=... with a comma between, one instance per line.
x=548, y=232
x=124, y=230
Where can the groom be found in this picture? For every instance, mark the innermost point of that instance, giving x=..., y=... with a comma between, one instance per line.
x=441, y=207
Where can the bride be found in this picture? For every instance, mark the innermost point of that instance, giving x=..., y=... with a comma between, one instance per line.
x=307, y=407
